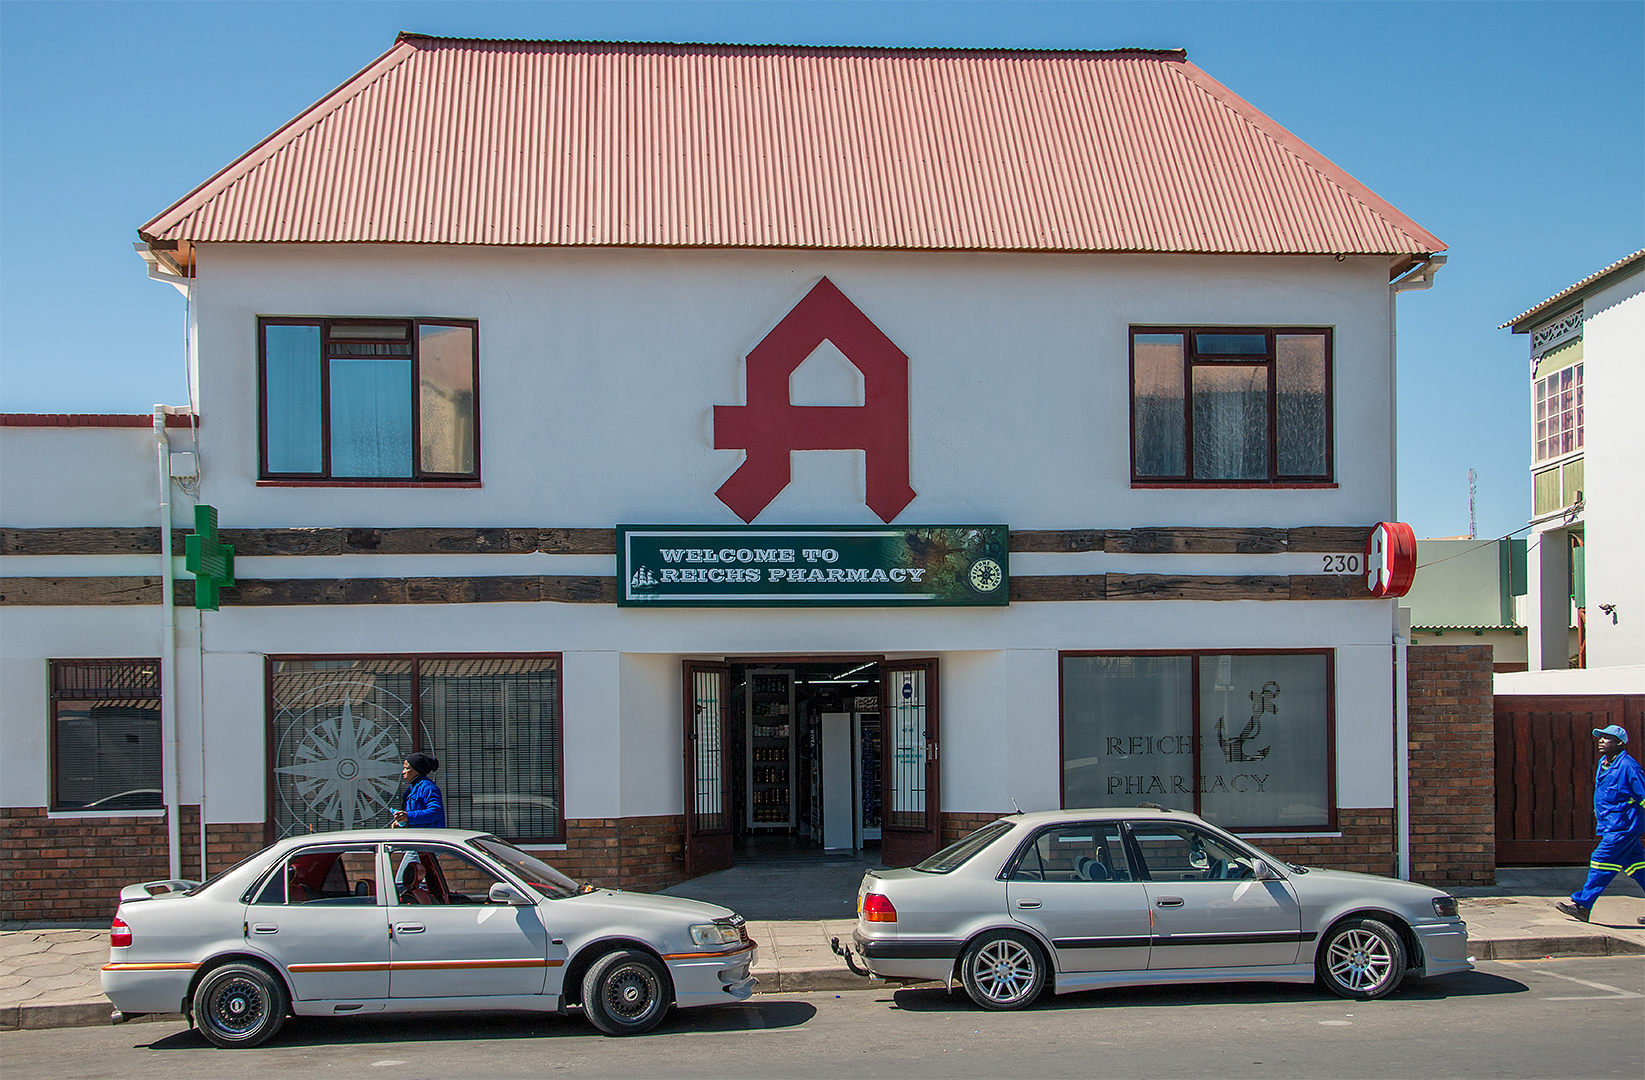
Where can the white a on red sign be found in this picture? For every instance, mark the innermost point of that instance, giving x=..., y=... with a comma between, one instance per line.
x=1390, y=559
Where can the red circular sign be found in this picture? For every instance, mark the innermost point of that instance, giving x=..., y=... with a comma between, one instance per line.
x=1390, y=559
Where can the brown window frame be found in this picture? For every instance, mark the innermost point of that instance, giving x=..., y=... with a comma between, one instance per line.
x=1332, y=820
x=271, y=740
x=56, y=674
x=1192, y=359
x=323, y=478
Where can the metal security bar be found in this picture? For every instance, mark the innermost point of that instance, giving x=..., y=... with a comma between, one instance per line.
x=708, y=750
x=907, y=738
x=495, y=726
x=341, y=726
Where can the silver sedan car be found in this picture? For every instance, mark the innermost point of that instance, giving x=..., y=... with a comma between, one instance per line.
x=413, y=920
x=1081, y=899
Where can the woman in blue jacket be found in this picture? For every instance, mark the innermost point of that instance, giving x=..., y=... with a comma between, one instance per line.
x=425, y=809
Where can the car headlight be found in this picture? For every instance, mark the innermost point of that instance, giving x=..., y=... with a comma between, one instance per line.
x=714, y=935
x=1445, y=907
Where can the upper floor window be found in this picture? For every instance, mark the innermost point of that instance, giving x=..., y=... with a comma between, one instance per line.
x=1230, y=406
x=369, y=399
x=1559, y=413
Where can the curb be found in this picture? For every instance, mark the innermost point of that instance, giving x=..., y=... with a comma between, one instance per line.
x=72, y=1014
x=1535, y=948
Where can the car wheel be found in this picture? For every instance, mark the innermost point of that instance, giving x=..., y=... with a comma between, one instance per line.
x=239, y=1005
x=1361, y=959
x=1003, y=969
x=626, y=992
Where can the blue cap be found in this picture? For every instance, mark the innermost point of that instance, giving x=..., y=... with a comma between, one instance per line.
x=1615, y=730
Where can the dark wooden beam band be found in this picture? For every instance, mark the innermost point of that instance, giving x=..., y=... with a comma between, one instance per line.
x=1332, y=539
x=1069, y=587
x=574, y=589
x=1058, y=541
x=339, y=541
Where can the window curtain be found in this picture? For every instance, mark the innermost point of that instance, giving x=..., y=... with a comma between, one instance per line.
x=370, y=417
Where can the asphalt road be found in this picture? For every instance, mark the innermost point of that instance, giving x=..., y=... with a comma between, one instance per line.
x=1548, y=1018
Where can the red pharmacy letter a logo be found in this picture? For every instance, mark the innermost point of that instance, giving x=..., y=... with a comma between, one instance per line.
x=769, y=426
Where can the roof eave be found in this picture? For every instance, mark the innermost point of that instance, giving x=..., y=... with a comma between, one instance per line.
x=1570, y=297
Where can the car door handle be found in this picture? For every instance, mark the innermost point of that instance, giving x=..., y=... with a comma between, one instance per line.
x=408, y=928
x=264, y=928
x=1028, y=903
x=1169, y=901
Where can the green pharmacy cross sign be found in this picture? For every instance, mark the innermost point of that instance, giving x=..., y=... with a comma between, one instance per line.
x=813, y=566
x=209, y=560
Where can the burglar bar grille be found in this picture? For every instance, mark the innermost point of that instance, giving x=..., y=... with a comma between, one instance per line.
x=708, y=750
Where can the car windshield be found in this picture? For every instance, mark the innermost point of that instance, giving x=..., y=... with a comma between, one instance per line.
x=958, y=852
x=538, y=874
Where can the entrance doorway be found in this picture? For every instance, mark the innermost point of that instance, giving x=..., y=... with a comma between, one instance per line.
x=803, y=757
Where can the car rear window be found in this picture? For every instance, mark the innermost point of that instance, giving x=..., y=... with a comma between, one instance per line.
x=957, y=853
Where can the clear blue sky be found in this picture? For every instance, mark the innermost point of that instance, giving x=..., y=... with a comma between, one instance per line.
x=1513, y=131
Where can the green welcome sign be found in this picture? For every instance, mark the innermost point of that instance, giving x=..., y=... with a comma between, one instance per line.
x=812, y=566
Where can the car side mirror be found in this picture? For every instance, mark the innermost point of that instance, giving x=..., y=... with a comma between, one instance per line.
x=1261, y=871
x=504, y=893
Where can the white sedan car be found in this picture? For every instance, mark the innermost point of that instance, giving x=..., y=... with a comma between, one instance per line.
x=1081, y=899
x=413, y=920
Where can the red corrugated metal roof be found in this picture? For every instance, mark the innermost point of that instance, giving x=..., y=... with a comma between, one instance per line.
x=444, y=141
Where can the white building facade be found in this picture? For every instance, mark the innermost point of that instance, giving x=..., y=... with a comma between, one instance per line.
x=422, y=440
x=1588, y=371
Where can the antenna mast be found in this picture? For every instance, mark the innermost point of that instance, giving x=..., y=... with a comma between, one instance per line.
x=1473, y=495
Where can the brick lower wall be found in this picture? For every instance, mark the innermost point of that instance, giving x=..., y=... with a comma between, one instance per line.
x=72, y=869
x=1453, y=765
x=1366, y=846
x=640, y=853
x=955, y=826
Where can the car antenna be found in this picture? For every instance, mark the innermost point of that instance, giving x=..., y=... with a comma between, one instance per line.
x=1153, y=806
x=1015, y=809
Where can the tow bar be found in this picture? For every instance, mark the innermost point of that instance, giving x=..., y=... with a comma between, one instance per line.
x=850, y=960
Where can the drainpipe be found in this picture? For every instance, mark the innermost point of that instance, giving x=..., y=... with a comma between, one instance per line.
x=1402, y=737
x=1417, y=279
x=168, y=657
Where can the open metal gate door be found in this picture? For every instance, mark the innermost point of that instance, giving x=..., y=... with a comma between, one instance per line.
x=707, y=768
x=911, y=828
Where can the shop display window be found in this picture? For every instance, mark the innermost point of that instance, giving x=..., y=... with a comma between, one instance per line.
x=339, y=727
x=352, y=400
x=1244, y=739
x=105, y=735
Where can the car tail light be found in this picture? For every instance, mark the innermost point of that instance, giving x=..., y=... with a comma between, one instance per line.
x=119, y=934
x=877, y=907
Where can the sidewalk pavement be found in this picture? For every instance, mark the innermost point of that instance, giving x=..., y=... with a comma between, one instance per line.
x=49, y=972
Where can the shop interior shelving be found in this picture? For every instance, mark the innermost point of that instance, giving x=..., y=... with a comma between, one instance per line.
x=771, y=743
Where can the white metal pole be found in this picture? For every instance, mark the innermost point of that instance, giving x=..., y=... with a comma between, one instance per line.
x=168, y=657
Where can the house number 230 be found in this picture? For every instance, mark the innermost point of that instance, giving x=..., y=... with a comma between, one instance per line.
x=1341, y=564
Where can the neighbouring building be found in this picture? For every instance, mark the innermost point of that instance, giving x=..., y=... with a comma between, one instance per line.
x=1468, y=591
x=1586, y=603
x=706, y=450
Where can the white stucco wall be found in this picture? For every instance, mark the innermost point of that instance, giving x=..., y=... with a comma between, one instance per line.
x=599, y=374
x=600, y=370
x=83, y=476
x=1614, y=376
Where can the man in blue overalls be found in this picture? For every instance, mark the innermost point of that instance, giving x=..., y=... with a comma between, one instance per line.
x=1619, y=819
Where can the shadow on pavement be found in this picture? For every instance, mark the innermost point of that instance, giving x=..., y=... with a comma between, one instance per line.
x=444, y=1027
x=1465, y=984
